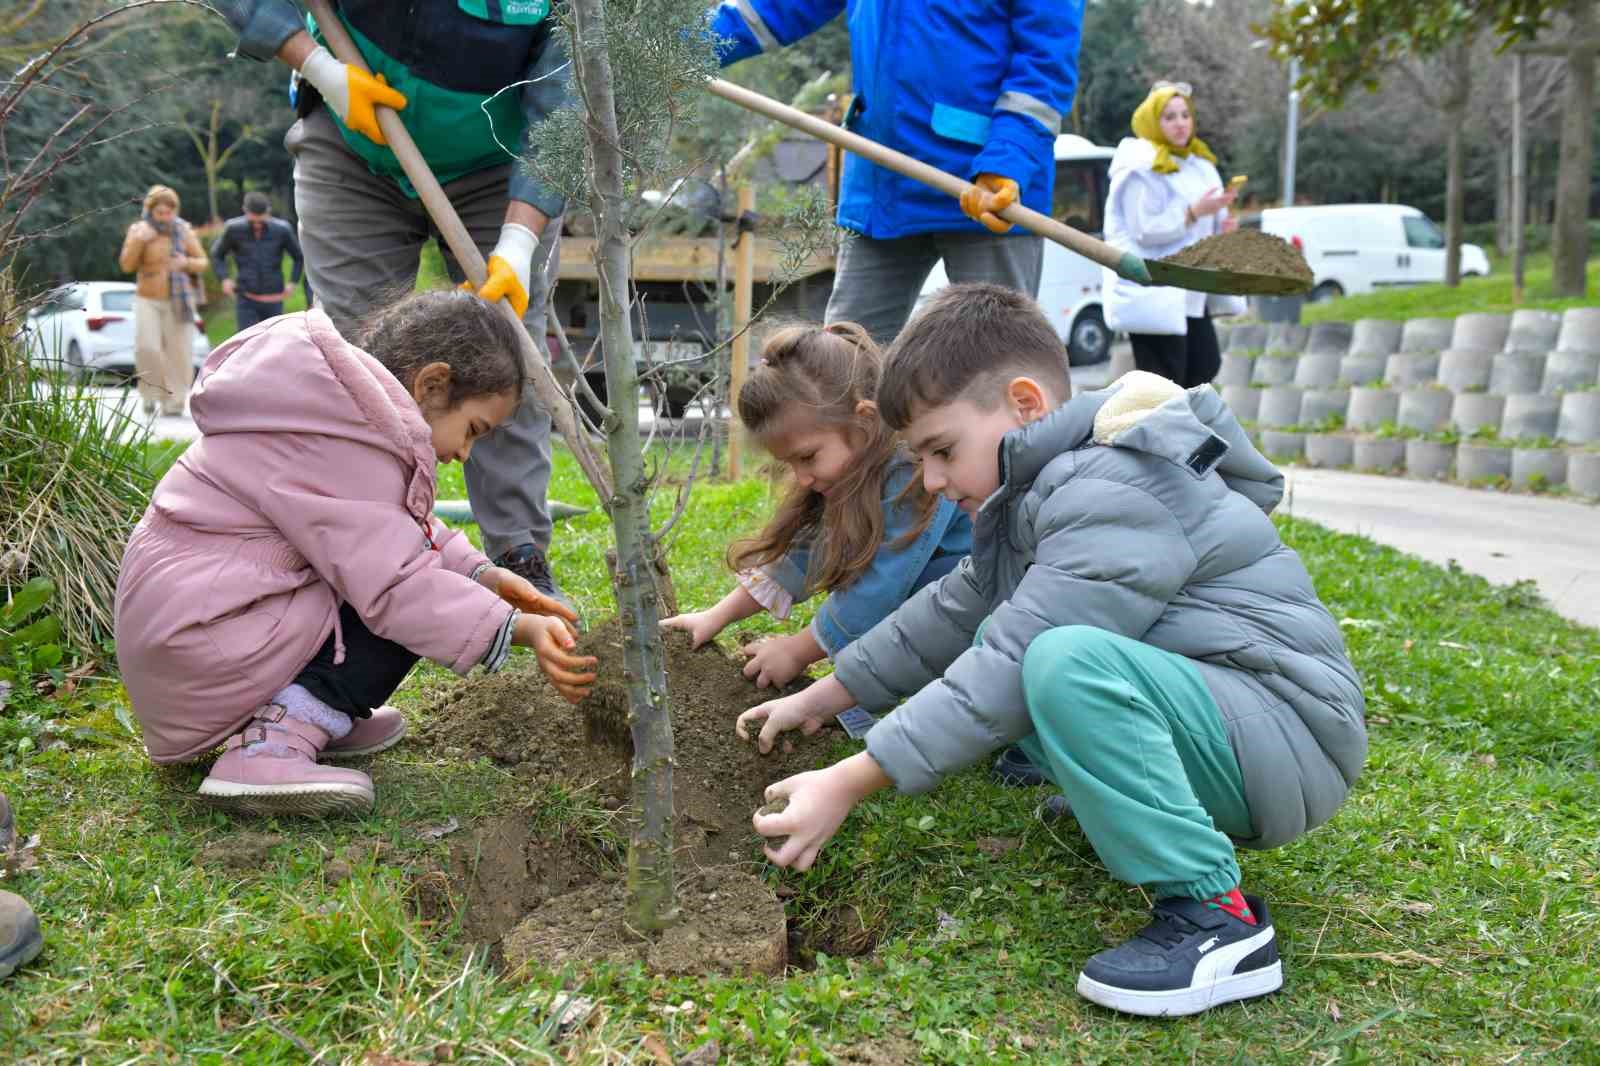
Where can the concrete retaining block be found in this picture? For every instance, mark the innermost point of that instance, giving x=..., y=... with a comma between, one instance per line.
x=1280, y=406
x=1371, y=408
x=1471, y=411
x=1480, y=331
x=1378, y=455
x=1375, y=336
x=1236, y=369
x=1583, y=473
x=1330, y=450
x=1329, y=338
x=1425, y=409
x=1282, y=444
x=1274, y=370
x=1460, y=369
x=1533, y=331
x=1579, y=419
x=1580, y=330
x=1248, y=337
x=1287, y=337
x=1319, y=405
x=1538, y=467
x=1530, y=415
x=1426, y=334
x=1430, y=459
x=1482, y=462
x=1511, y=374
x=1317, y=371
x=1566, y=371
x=1361, y=369
x=1243, y=401
x=1405, y=369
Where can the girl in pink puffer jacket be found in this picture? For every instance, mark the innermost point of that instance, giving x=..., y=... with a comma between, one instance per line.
x=289, y=571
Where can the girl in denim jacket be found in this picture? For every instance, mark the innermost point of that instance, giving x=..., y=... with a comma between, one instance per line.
x=855, y=523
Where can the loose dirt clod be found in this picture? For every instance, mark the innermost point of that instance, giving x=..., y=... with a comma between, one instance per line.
x=1245, y=251
x=239, y=852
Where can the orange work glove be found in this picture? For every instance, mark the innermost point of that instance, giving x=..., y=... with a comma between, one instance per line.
x=986, y=197
x=351, y=92
x=510, y=268
x=552, y=643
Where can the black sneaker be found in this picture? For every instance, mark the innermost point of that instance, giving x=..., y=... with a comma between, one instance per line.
x=1193, y=956
x=529, y=563
x=1014, y=768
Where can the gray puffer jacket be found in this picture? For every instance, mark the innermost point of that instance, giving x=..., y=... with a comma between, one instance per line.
x=1142, y=510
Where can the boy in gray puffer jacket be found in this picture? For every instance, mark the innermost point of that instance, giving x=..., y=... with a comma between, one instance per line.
x=1129, y=617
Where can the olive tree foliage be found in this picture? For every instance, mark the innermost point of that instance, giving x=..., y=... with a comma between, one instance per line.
x=639, y=69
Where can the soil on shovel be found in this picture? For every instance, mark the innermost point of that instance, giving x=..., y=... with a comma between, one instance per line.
x=1245, y=251
x=554, y=901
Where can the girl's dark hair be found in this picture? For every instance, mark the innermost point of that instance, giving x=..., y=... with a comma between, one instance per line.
x=451, y=326
x=821, y=373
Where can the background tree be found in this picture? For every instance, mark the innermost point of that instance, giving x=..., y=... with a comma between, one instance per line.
x=1342, y=44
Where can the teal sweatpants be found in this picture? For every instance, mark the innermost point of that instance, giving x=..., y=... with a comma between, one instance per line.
x=1133, y=737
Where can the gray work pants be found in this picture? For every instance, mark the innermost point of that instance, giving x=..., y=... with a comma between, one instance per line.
x=876, y=282
x=363, y=239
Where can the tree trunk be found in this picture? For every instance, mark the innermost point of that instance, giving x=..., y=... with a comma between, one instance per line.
x=212, y=165
x=1570, y=241
x=650, y=883
x=1455, y=117
x=1502, y=201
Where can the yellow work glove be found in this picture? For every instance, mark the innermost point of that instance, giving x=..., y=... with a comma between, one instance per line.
x=510, y=264
x=352, y=93
x=988, y=195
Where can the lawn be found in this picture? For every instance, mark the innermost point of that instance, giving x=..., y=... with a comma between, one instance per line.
x=1492, y=293
x=1450, y=912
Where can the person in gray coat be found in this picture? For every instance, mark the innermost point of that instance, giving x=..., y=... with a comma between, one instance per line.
x=1129, y=616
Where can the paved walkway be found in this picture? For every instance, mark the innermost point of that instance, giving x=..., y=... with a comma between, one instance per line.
x=1502, y=537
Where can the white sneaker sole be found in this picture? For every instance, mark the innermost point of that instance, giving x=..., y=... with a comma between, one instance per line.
x=1180, y=1001
x=310, y=800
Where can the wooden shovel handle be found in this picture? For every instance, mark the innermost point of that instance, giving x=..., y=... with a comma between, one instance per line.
x=1045, y=226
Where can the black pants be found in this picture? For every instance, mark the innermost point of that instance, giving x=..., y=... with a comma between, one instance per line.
x=248, y=312
x=372, y=670
x=1190, y=360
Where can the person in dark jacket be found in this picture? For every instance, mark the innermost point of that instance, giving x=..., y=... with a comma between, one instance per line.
x=1128, y=614
x=469, y=80
x=258, y=242
x=976, y=88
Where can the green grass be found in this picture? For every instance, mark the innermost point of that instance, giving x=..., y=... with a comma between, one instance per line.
x=1448, y=913
x=1492, y=293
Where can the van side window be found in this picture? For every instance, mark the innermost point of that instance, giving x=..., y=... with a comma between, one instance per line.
x=1422, y=233
x=1080, y=199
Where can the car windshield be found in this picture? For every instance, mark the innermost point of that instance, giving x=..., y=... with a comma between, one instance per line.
x=1422, y=233
x=117, y=300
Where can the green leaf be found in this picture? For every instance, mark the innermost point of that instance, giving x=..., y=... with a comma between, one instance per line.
x=38, y=634
x=47, y=656
x=26, y=600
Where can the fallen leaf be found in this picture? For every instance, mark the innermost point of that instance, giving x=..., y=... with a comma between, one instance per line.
x=435, y=832
x=657, y=1049
x=20, y=858
x=570, y=1012
x=1333, y=1010
x=706, y=1054
x=1487, y=760
x=1416, y=906
x=994, y=847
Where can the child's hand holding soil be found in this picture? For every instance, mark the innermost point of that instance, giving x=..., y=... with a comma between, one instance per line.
x=552, y=640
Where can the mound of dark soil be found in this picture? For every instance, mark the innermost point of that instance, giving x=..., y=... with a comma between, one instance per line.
x=1246, y=251
x=566, y=898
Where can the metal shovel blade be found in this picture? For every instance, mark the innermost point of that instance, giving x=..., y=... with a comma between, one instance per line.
x=1230, y=282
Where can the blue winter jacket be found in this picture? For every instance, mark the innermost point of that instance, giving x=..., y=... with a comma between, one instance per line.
x=895, y=573
x=969, y=87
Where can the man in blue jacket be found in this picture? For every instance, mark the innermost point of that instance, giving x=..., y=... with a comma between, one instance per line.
x=976, y=88
x=258, y=242
x=469, y=78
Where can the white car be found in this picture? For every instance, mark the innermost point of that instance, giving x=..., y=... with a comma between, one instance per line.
x=1355, y=248
x=86, y=328
x=1069, y=284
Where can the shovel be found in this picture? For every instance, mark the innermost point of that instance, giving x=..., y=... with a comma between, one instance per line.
x=1125, y=264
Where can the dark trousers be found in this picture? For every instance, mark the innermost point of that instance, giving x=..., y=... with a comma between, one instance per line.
x=372, y=670
x=1190, y=360
x=248, y=312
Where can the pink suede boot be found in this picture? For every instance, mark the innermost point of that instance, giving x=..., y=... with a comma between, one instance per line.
x=368, y=736
x=271, y=768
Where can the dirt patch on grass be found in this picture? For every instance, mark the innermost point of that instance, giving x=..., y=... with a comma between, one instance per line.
x=507, y=874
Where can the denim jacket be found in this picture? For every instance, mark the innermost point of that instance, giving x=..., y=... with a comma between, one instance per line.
x=895, y=573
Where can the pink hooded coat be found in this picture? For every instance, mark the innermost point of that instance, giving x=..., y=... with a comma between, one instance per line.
x=312, y=485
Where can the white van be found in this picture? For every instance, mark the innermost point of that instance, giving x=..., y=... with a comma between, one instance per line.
x=1354, y=248
x=1069, y=284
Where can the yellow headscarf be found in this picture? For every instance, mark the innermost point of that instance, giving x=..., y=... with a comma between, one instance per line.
x=1147, y=126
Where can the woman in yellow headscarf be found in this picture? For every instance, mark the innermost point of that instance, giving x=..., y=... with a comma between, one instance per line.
x=1165, y=195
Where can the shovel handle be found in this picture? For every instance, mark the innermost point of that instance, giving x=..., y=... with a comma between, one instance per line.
x=405, y=150
x=1124, y=263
